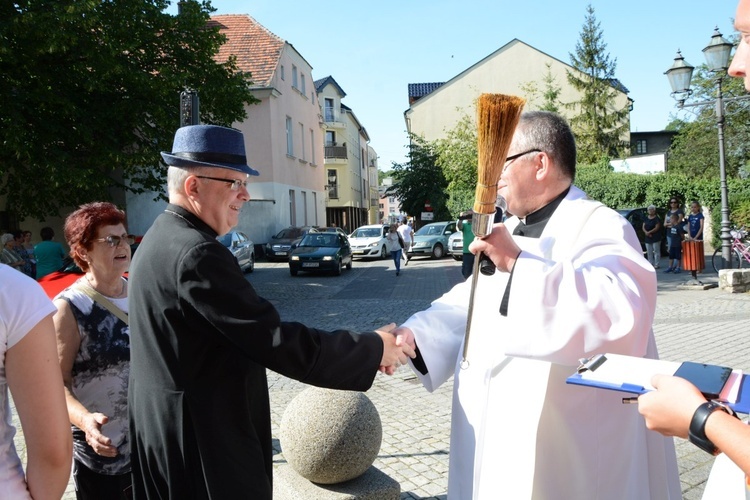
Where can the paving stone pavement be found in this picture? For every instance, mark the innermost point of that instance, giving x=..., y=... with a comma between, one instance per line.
x=699, y=325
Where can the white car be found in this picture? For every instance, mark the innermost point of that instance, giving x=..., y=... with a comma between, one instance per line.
x=369, y=241
x=456, y=245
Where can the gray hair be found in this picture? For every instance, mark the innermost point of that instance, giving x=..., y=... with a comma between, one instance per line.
x=651, y=207
x=176, y=177
x=550, y=133
x=4, y=239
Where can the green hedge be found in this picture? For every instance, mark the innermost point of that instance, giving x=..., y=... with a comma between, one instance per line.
x=627, y=190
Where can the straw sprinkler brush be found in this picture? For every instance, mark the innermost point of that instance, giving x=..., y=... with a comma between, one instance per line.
x=497, y=118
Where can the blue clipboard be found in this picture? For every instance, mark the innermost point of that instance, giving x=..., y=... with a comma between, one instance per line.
x=742, y=405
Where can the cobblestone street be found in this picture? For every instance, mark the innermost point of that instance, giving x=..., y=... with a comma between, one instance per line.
x=699, y=325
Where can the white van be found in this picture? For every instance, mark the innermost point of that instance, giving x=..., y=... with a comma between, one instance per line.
x=369, y=241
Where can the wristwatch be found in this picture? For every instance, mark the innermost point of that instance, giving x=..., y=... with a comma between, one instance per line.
x=697, y=431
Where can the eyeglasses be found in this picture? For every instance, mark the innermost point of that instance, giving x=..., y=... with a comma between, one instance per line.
x=672, y=201
x=114, y=241
x=513, y=158
x=235, y=183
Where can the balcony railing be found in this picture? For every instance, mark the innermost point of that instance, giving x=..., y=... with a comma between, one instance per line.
x=336, y=152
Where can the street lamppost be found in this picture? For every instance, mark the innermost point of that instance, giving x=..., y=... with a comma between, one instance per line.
x=717, y=54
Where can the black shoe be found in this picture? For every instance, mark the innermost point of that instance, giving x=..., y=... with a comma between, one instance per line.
x=396, y=273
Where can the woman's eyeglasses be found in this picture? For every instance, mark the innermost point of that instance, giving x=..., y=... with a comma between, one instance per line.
x=114, y=241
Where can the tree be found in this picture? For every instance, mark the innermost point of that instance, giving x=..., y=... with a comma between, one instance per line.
x=550, y=95
x=695, y=149
x=419, y=181
x=456, y=155
x=89, y=94
x=598, y=124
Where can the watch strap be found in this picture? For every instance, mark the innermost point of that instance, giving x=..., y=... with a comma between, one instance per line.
x=697, y=431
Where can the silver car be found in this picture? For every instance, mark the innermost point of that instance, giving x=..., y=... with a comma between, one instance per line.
x=431, y=240
x=241, y=247
x=456, y=245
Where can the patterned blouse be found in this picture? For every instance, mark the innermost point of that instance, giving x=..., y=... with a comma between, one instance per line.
x=100, y=377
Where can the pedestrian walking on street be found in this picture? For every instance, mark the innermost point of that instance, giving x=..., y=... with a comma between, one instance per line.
x=407, y=236
x=395, y=246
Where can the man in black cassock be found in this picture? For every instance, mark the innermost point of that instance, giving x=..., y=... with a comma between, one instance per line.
x=201, y=339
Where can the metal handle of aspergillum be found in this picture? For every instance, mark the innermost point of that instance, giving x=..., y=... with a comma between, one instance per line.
x=481, y=226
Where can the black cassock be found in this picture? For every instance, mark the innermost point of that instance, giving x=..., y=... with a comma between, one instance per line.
x=201, y=340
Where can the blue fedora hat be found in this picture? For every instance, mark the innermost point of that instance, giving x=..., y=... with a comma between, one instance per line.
x=208, y=146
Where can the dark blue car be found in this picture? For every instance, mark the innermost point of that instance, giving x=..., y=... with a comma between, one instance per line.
x=321, y=252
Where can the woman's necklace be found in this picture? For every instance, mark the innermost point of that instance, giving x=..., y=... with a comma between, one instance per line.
x=122, y=290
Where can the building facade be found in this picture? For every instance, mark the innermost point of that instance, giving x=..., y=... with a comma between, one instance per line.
x=283, y=135
x=436, y=108
x=349, y=160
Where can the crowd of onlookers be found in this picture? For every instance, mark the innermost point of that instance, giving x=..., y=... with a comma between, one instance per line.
x=35, y=261
x=677, y=228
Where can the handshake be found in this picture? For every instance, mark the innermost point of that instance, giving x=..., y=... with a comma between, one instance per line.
x=398, y=347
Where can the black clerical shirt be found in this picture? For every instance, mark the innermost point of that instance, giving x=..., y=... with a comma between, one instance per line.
x=531, y=226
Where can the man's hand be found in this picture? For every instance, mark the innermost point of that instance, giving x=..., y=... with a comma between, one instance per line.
x=498, y=246
x=396, y=350
x=670, y=408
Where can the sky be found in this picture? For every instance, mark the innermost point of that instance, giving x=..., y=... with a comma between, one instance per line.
x=375, y=49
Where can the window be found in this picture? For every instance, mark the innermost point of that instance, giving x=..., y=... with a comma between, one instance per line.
x=282, y=72
x=302, y=84
x=312, y=146
x=304, y=206
x=302, y=138
x=333, y=190
x=294, y=76
x=315, y=208
x=330, y=138
x=641, y=147
x=289, y=137
x=329, y=114
x=292, y=209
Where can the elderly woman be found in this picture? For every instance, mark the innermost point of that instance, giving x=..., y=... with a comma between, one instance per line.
x=8, y=255
x=93, y=344
x=28, y=267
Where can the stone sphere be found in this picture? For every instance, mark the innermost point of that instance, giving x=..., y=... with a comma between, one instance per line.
x=330, y=436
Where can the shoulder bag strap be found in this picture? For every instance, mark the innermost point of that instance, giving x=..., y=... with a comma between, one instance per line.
x=103, y=301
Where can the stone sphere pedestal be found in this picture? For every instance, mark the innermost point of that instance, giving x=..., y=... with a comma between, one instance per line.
x=330, y=440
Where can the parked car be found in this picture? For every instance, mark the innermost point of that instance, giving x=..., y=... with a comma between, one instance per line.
x=321, y=251
x=456, y=245
x=432, y=240
x=369, y=241
x=282, y=243
x=241, y=247
x=331, y=229
x=636, y=216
